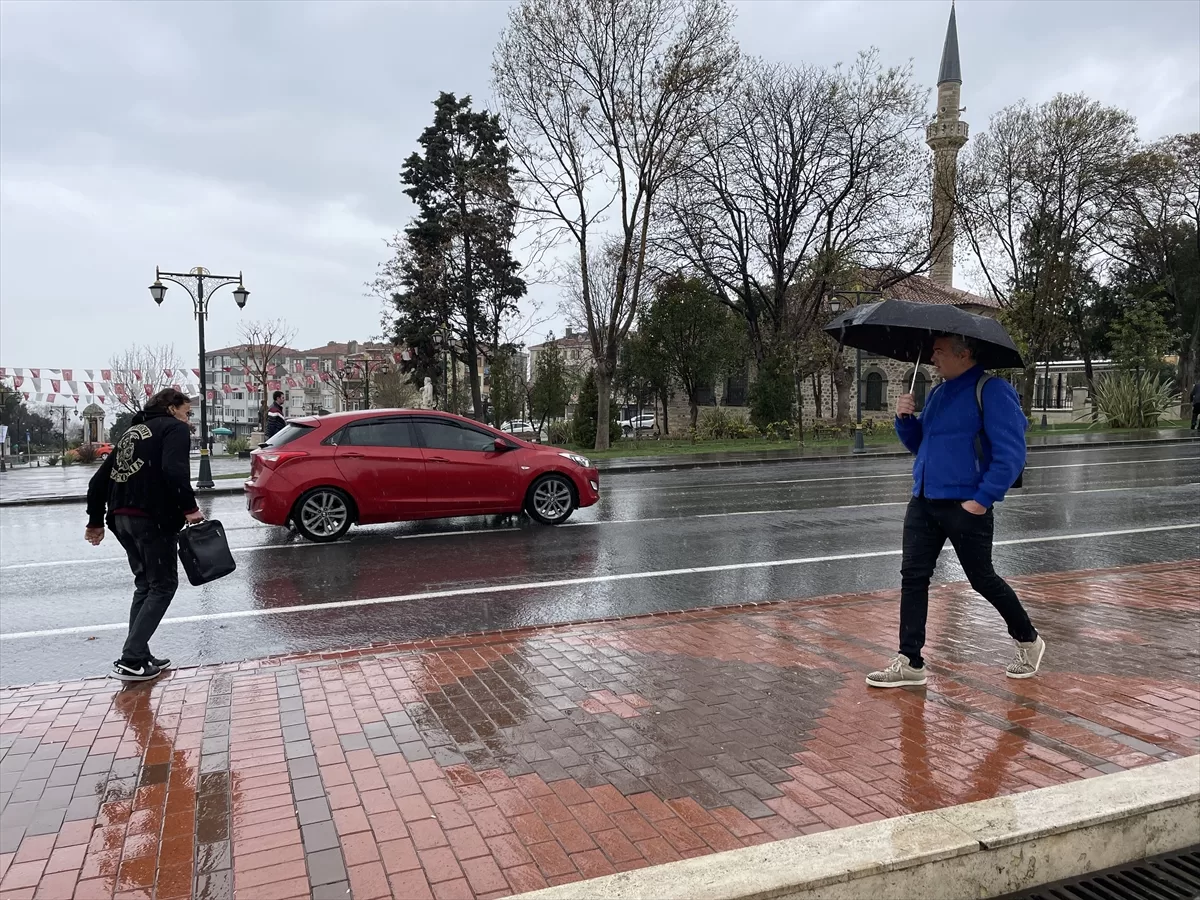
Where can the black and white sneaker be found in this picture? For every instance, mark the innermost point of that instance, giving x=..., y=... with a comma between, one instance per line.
x=127, y=671
x=163, y=664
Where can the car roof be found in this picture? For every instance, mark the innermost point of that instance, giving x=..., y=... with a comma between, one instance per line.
x=338, y=419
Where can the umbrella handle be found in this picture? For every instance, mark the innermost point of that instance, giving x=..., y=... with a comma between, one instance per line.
x=916, y=368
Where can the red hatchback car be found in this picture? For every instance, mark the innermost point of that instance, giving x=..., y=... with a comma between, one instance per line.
x=392, y=465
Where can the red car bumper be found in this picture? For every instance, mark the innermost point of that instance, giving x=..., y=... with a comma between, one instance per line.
x=588, y=485
x=271, y=507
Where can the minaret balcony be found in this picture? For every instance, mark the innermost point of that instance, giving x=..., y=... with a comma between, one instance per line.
x=949, y=133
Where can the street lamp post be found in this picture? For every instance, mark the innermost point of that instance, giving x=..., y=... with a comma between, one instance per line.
x=1046, y=395
x=835, y=306
x=195, y=283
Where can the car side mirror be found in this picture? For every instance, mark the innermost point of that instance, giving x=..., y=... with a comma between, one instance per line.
x=503, y=446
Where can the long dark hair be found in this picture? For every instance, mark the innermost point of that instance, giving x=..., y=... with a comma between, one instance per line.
x=166, y=398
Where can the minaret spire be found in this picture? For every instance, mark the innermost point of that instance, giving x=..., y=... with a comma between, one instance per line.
x=946, y=135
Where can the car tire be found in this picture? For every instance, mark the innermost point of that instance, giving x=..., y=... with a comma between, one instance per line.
x=551, y=499
x=323, y=514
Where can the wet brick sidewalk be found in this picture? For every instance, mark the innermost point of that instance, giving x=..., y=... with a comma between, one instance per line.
x=497, y=764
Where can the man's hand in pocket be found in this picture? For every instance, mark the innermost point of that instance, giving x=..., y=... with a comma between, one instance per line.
x=974, y=508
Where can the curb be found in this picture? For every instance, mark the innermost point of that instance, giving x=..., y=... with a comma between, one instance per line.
x=606, y=466
x=984, y=849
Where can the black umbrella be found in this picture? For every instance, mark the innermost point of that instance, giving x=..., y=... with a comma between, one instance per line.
x=903, y=330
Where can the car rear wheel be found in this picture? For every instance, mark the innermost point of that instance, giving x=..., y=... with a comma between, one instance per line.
x=323, y=514
x=551, y=500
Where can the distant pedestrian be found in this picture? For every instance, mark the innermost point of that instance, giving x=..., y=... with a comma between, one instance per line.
x=967, y=459
x=275, y=415
x=145, y=487
x=1195, y=396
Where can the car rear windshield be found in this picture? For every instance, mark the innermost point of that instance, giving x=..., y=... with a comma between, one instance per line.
x=287, y=434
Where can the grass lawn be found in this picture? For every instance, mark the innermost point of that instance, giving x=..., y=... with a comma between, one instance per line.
x=232, y=475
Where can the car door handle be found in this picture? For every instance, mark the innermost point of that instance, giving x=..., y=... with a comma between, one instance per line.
x=353, y=456
x=437, y=459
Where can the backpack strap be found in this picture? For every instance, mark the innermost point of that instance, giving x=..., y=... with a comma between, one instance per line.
x=983, y=379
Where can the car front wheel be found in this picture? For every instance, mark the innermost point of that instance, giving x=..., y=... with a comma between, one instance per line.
x=323, y=514
x=551, y=500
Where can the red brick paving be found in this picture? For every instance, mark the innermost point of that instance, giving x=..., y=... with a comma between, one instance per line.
x=495, y=764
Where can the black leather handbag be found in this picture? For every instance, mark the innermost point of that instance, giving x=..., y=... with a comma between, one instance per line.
x=204, y=552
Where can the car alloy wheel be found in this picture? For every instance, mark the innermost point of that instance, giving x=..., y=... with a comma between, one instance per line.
x=551, y=500
x=323, y=515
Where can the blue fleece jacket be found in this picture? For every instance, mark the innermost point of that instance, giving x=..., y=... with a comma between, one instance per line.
x=943, y=438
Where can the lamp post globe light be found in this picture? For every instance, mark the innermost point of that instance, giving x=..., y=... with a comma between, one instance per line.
x=200, y=285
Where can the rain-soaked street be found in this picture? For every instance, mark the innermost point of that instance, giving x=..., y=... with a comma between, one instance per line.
x=665, y=541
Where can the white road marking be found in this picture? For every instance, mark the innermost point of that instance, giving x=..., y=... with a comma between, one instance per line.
x=568, y=582
x=681, y=489
x=432, y=534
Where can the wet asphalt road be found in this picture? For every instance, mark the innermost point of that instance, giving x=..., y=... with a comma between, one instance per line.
x=655, y=542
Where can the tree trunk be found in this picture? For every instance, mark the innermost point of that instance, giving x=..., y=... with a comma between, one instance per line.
x=603, y=404
x=1089, y=375
x=473, y=372
x=1189, y=353
x=666, y=426
x=799, y=379
x=818, y=393
x=694, y=410
x=1027, y=387
x=841, y=381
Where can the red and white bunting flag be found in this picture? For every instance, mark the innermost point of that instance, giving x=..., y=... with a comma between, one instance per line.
x=310, y=380
x=291, y=382
x=55, y=385
x=75, y=397
x=245, y=370
x=68, y=375
x=274, y=385
x=396, y=357
x=102, y=399
x=149, y=389
x=137, y=375
x=170, y=373
x=228, y=388
x=3, y=372
x=313, y=365
x=324, y=376
x=18, y=380
x=36, y=373
x=90, y=374
x=271, y=369
x=196, y=372
x=106, y=374
x=50, y=398
x=176, y=387
x=250, y=387
x=211, y=395
x=341, y=364
x=25, y=394
x=89, y=385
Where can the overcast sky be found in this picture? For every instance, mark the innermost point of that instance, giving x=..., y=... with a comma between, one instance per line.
x=267, y=137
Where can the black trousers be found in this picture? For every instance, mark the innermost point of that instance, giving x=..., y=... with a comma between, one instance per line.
x=1195, y=415
x=927, y=526
x=154, y=562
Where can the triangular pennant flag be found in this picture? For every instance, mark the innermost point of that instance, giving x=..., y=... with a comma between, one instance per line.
x=36, y=373
x=106, y=374
x=137, y=375
x=55, y=385
x=68, y=374
x=18, y=380
x=88, y=385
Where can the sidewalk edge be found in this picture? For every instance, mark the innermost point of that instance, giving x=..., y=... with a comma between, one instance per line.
x=983, y=849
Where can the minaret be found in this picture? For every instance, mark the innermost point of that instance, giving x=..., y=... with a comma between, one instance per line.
x=945, y=137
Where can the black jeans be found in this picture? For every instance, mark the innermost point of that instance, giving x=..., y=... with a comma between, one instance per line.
x=927, y=525
x=1195, y=415
x=155, y=565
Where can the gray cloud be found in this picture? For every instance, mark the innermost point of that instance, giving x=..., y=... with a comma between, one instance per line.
x=267, y=136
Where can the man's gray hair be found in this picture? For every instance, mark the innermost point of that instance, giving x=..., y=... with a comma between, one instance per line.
x=962, y=344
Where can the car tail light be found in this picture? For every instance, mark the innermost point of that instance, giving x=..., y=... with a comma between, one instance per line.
x=273, y=459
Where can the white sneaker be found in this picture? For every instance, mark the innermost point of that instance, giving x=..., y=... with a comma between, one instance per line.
x=1028, y=659
x=899, y=673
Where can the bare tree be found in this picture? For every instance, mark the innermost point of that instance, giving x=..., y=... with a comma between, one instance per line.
x=139, y=367
x=1037, y=187
x=798, y=175
x=601, y=98
x=1154, y=233
x=264, y=344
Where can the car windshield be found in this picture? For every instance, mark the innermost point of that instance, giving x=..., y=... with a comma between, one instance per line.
x=287, y=434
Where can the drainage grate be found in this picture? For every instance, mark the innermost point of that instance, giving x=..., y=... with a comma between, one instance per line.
x=1172, y=876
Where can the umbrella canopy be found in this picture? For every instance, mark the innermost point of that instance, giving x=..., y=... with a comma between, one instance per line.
x=223, y=431
x=903, y=330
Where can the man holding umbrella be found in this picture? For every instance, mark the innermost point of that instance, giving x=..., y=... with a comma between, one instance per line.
x=969, y=443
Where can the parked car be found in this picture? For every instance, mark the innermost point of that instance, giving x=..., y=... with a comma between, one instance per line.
x=366, y=467
x=102, y=450
x=522, y=429
x=638, y=424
